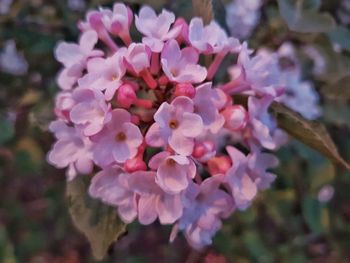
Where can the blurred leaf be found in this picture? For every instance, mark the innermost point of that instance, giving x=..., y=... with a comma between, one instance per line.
x=203, y=9
x=29, y=145
x=98, y=222
x=311, y=133
x=303, y=17
x=29, y=98
x=341, y=36
x=338, y=89
x=6, y=130
x=156, y=4
x=312, y=212
x=6, y=248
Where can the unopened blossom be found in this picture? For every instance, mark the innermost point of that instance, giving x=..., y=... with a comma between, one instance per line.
x=176, y=125
x=64, y=103
x=118, y=141
x=112, y=186
x=72, y=150
x=174, y=172
x=180, y=65
x=90, y=111
x=156, y=29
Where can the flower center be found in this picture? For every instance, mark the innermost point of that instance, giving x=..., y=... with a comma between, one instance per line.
x=174, y=72
x=173, y=124
x=120, y=137
x=170, y=162
x=114, y=77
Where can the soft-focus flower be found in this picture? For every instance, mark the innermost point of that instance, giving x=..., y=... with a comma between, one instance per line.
x=156, y=29
x=5, y=6
x=242, y=16
x=211, y=38
x=181, y=65
x=205, y=206
x=177, y=125
x=11, y=61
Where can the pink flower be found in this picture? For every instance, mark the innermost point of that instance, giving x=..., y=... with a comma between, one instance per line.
x=177, y=125
x=105, y=74
x=242, y=186
x=118, y=141
x=138, y=57
x=205, y=106
x=118, y=21
x=174, y=172
x=112, y=186
x=205, y=206
x=236, y=117
x=90, y=111
x=210, y=38
x=263, y=126
x=64, y=102
x=261, y=72
x=156, y=29
x=72, y=150
x=74, y=57
x=181, y=65
x=153, y=201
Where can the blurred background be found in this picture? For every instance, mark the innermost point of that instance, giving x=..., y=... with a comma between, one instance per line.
x=304, y=217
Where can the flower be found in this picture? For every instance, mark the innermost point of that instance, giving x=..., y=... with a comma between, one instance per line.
x=105, y=74
x=174, y=172
x=177, y=125
x=90, y=111
x=156, y=29
x=72, y=150
x=181, y=65
x=210, y=38
x=118, y=141
x=112, y=186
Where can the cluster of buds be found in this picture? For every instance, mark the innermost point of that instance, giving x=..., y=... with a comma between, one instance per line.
x=161, y=135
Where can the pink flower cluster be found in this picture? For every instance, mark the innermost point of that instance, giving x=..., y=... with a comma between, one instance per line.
x=149, y=118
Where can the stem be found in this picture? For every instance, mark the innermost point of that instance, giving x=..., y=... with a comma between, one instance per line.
x=214, y=66
x=155, y=63
x=147, y=77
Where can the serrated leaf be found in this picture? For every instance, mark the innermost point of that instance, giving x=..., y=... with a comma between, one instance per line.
x=339, y=89
x=305, y=18
x=98, y=222
x=203, y=9
x=311, y=133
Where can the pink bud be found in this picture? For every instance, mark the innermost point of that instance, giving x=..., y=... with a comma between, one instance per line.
x=219, y=165
x=203, y=148
x=185, y=89
x=135, y=164
x=126, y=96
x=163, y=80
x=236, y=117
x=183, y=36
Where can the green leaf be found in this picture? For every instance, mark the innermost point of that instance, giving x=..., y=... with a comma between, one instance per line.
x=97, y=221
x=6, y=130
x=312, y=212
x=338, y=89
x=303, y=17
x=203, y=9
x=311, y=133
x=341, y=36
